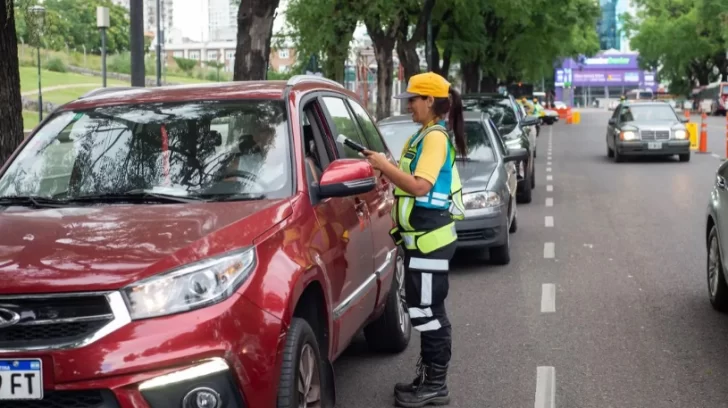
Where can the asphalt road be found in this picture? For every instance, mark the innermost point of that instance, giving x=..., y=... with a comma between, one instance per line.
x=604, y=304
x=716, y=133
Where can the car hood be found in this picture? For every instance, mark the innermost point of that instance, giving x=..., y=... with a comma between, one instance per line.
x=475, y=176
x=93, y=248
x=655, y=124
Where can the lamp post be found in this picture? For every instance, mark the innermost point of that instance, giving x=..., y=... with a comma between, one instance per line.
x=102, y=23
x=37, y=14
x=159, y=42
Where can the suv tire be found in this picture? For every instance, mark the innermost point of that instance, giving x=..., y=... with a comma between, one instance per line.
x=391, y=332
x=300, y=352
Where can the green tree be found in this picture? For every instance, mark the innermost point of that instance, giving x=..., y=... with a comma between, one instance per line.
x=683, y=39
x=185, y=64
x=71, y=23
x=323, y=28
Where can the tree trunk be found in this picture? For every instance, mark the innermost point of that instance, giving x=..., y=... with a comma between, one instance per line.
x=255, y=29
x=471, y=76
x=334, y=66
x=11, y=125
x=488, y=84
x=446, y=58
x=383, y=52
x=409, y=59
x=338, y=52
x=407, y=47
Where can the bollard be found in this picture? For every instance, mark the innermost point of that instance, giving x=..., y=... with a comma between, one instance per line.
x=687, y=114
x=703, y=134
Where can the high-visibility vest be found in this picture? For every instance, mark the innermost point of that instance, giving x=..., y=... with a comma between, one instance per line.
x=446, y=193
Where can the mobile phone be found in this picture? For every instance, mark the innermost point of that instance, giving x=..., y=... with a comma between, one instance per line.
x=352, y=144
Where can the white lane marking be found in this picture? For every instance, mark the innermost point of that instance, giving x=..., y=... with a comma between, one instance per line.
x=549, y=220
x=549, y=188
x=549, y=250
x=715, y=155
x=548, y=163
x=549, y=177
x=545, y=387
x=548, y=298
x=548, y=169
x=549, y=202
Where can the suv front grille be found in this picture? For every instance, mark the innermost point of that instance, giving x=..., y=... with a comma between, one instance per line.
x=50, y=321
x=655, y=135
x=67, y=399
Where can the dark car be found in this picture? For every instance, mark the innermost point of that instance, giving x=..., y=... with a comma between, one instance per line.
x=488, y=175
x=518, y=131
x=647, y=129
x=195, y=246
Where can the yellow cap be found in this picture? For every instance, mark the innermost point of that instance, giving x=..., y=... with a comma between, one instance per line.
x=426, y=84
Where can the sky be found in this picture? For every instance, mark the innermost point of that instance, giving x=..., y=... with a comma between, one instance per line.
x=187, y=18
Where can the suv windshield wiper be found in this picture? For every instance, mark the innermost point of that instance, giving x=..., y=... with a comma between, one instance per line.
x=234, y=197
x=33, y=201
x=136, y=196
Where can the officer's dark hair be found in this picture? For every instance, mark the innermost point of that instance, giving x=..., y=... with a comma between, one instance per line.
x=453, y=107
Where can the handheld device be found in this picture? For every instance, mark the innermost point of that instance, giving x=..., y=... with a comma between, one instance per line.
x=352, y=144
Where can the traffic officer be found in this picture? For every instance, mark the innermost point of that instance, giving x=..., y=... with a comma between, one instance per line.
x=428, y=201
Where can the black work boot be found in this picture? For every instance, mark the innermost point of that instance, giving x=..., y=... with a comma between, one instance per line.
x=409, y=387
x=432, y=390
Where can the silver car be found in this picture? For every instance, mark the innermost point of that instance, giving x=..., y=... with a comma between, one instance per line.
x=647, y=129
x=716, y=233
x=489, y=181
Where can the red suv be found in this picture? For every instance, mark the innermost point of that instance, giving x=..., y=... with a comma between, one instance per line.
x=205, y=246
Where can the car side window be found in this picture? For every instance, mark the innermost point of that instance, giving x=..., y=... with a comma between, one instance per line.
x=344, y=124
x=371, y=134
x=618, y=109
x=625, y=115
x=499, y=139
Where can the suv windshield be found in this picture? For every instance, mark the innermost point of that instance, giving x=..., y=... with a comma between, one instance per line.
x=206, y=149
x=397, y=134
x=637, y=113
x=500, y=110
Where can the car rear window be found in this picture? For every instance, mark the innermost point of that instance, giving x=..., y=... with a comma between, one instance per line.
x=479, y=148
x=188, y=149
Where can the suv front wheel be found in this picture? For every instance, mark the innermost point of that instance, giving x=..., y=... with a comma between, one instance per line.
x=391, y=332
x=303, y=380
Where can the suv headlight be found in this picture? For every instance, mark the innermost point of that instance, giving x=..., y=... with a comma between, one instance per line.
x=681, y=134
x=481, y=200
x=191, y=286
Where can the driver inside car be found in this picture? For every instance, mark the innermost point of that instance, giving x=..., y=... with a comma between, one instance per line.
x=249, y=157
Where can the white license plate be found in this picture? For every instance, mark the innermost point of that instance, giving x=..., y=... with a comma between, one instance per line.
x=654, y=145
x=21, y=379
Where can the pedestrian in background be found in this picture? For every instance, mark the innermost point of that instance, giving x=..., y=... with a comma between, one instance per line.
x=428, y=201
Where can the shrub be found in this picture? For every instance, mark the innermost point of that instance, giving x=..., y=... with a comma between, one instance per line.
x=56, y=64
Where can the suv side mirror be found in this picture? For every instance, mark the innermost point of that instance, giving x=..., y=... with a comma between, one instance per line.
x=347, y=177
x=530, y=121
x=516, y=154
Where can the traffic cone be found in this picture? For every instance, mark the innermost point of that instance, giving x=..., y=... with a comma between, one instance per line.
x=703, y=134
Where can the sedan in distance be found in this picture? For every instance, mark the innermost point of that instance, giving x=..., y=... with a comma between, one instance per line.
x=489, y=180
x=647, y=129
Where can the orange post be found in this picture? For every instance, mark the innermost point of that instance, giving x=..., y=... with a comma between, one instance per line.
x=703, y=134
x=687, y=114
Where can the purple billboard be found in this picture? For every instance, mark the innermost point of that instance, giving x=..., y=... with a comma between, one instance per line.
x=607, y=70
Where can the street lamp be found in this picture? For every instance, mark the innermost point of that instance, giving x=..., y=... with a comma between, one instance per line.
x=37, y=15
x=159, y=42
x=102, y=23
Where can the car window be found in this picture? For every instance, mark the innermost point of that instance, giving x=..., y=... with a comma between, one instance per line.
x=345, y=124
x=479, y=146
x=374, y=140
x=500, y=109
x=500, y=143
x=195, y=148
x=396, y=135
x=636, y=113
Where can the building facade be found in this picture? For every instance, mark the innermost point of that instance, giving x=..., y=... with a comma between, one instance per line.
x=610, y=27
x=606, y=76
x=222, y=20
x=281, y=59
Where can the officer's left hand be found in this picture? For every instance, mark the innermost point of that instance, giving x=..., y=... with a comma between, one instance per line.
x=377, y=160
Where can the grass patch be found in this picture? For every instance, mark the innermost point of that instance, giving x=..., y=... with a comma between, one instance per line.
x=29, y=79
x=30, y=120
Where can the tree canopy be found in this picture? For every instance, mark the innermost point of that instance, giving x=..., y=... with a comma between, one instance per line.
x=493, y=41
x=686, y=40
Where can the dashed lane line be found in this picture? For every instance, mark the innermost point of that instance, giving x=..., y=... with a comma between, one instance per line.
x=545, y=387
x=548, y=298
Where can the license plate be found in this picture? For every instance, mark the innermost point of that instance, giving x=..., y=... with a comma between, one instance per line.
x=21, y=379
x=654, y=145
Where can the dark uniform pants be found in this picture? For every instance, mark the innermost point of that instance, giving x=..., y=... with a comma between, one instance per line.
x=427, y=286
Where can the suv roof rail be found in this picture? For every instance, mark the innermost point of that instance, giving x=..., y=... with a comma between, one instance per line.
x=297, y=79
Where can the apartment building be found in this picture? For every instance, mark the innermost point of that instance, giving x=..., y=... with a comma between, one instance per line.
x=281, y=59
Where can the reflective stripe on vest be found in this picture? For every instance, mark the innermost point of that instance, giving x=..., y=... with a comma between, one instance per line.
x=447, y=197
